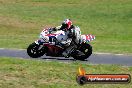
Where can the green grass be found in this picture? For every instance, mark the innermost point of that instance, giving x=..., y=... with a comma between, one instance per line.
x=109, y=20
x=20, y=73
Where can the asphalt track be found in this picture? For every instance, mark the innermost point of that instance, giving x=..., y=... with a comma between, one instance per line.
x=98, y=58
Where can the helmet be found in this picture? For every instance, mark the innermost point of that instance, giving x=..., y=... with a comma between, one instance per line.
x=66, y=24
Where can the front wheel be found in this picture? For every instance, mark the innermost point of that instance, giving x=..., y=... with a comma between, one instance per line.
x=86, y=49
x=35, y=51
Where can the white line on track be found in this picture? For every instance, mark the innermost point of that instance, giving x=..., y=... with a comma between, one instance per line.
x=108, y=53
x=11, y=49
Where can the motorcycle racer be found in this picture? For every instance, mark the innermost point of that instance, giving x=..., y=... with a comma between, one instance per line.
x=62, y=41
x=73, y=34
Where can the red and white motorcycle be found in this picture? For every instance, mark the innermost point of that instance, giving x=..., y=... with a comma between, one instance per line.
x=44, y=46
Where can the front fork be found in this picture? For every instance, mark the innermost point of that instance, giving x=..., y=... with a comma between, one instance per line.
x=40, y=43
x=36, y=42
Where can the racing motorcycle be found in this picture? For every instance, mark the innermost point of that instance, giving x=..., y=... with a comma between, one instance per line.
x=45, y=45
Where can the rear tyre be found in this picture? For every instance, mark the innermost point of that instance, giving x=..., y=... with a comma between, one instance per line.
x=86, y=49
x=34, y=51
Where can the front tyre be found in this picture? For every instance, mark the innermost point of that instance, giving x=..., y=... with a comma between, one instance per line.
x=35, y=51
x=86, y=49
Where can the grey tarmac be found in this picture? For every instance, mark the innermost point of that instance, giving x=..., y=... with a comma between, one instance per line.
x=124, y=60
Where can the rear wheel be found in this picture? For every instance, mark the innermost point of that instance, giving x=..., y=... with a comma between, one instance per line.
x=35, y=51
x=86, y=49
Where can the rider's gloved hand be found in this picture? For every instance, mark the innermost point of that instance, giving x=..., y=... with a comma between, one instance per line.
x=50, y=30
x=54, y=29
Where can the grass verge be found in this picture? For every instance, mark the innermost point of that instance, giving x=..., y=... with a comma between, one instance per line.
x=21, y=73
